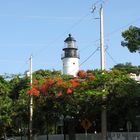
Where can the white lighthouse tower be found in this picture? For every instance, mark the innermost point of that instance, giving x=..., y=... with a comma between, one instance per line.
x=70, y=57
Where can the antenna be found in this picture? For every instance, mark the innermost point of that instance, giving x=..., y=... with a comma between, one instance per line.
x=93, y=8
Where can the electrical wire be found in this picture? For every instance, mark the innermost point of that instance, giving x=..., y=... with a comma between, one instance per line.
x=57, y=38
x=118, y=29
x=109, y=34
x=98, y=1
x=111, y=57
x=113, y=32
x=74, y=25
x=89, y=56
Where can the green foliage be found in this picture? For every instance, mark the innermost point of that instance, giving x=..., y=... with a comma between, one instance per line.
x=86, y=99
x=45, y=73
x=127, y=68
x=131, y=39
x=62, y=95
x=19, y=104
x=5, y=106
x=17, y=85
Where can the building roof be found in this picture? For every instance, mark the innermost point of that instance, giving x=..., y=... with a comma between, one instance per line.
x=70, y=38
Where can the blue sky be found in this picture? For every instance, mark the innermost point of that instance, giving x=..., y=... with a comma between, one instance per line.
x=39, y=27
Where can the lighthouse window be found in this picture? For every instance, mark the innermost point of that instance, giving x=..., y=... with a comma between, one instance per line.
x=66, y=53
x=70, y=53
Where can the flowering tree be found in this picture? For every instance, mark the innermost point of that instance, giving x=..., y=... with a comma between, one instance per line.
x=80, y=97
x=59, y=96
x=75, y=98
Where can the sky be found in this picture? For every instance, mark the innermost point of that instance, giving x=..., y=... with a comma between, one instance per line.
x=39, y=28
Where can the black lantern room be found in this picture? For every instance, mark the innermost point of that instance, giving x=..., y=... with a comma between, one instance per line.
x=70, y=49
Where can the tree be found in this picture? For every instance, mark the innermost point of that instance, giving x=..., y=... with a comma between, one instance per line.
x=58, y=96
x=76, y=98
x=40, y=74
x=20, y=99
x=5, y=107
x=81, y=97
x=131, y=39
x=128, y=68
x=123, y=99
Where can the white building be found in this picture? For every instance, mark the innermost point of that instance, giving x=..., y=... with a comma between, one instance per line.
x=70, y=57
x=135, y=77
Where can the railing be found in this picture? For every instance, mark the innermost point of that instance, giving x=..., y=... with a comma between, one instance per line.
x=110, y=136
x=68, y=56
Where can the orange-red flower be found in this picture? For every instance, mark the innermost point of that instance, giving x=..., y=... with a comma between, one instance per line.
x=90, y=76
x=81, y=74
x=59, y=81
x=59, y=94
x=33, y=91
x=49, y=81
x=69, y=91
x=44, y=88
x=74, y=83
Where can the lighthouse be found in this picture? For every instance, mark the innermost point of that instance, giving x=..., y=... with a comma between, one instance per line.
x=70, y=57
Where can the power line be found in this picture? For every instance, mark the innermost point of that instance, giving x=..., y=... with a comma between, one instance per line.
x=89, y=56
x=99, y=39
x=98, y=2
x=113, y=32
x=111, y=57
x=71, y=27
x=126, y=25
x=79, y=21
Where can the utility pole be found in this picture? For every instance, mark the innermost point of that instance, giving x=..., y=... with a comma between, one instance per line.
x=102, y=60
x=103, y=114
x=30, y=102
x=102, y=39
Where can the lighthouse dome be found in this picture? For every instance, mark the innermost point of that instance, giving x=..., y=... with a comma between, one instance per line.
x=70, y=38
